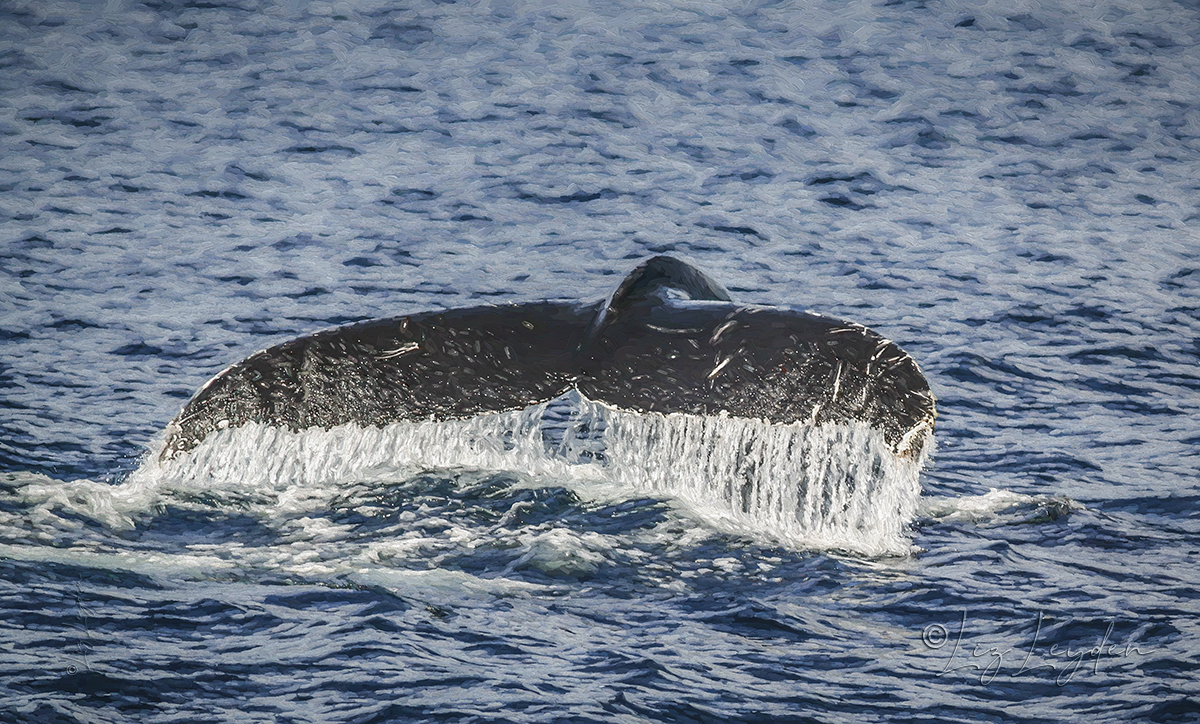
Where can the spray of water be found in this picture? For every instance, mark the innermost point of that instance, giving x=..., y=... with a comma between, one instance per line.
x=827, y=487
x=833, y=486
x=258, y=456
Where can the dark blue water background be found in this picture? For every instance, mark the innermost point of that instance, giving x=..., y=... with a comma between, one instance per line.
x=1010, y=192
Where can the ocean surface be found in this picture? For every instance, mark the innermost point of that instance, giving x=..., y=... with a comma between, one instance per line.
x=1009, y=190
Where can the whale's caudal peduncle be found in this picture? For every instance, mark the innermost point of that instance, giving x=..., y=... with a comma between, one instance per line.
x=668, y=339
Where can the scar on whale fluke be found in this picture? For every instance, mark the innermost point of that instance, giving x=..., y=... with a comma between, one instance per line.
x=668, y=339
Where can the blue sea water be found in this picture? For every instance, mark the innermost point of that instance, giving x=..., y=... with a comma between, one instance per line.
x=1008, y=190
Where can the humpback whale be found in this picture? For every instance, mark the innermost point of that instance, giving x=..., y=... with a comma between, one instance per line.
x=668, y=339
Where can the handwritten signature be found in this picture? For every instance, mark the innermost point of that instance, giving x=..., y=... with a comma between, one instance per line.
x=988, y=660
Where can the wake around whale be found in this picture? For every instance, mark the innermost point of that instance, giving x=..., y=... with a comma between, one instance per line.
x=669, y=339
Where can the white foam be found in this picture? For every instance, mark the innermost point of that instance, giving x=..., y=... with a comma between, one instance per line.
x=559, y=551
x=115, y=506
x=145, y=563
x=436, y=583
x=993, y=504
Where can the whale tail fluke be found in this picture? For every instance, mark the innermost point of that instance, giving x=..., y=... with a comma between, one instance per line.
x=668, y=339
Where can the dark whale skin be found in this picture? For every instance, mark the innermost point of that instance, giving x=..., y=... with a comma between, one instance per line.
x=669, y=339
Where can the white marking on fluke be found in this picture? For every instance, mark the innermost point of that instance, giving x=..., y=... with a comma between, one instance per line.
x=401, y=350
x=720, y=366
x=725, y=327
